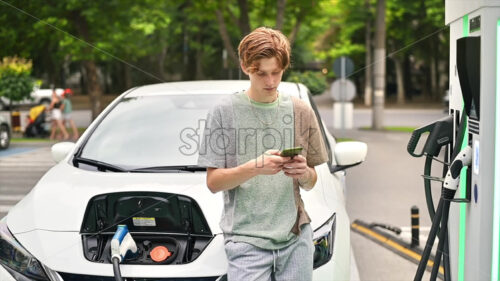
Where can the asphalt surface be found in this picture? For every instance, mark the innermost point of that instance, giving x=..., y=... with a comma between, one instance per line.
x=382, y=190
x=21, y=166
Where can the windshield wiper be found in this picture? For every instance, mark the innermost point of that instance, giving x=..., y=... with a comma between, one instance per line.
x=101, y=166
x=162, y=169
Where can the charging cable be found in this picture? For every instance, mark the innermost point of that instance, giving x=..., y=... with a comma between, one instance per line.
x=450, y=186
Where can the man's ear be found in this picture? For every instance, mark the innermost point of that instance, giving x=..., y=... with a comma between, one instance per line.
x=243, y=68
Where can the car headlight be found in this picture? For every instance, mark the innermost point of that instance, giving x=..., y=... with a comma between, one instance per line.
x=323, y=239
x=18, y=260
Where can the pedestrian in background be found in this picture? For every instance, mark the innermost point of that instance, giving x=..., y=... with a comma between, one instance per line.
x=56, y=117
x=67, y=109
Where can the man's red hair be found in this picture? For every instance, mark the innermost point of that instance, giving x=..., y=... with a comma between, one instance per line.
x=261, y=43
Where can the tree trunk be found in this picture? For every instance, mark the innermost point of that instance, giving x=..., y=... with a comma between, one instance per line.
x=280, y=14
x=199, y=56
x=438, y=90
x=296, y=27
x=433, y=78
x=379, y=69
x=95, y=91
x=407, y=70
x=368, y=60
x=225, y=38
x=66, y=72
x=83, y=80
x=127, y=76
x=400, y=80
x=434, y=71
x=427, y=84
x=161, y=63
x=93, y=85
x=244, y=21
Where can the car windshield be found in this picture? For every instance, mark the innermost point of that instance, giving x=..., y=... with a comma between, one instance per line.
x=151, y=131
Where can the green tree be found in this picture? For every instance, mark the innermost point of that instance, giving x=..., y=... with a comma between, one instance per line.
x=15, y=81
x=315, y=81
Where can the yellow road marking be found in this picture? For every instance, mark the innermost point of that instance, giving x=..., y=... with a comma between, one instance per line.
x=394, y=245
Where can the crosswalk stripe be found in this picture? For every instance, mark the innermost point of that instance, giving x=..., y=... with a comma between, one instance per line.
x=11, y=197
x=4, y=172
x=14, y=189
x=31, y=164
x=5, y=208
x=19, y=173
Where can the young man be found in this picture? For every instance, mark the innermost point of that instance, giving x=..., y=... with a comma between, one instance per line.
x=266, y=229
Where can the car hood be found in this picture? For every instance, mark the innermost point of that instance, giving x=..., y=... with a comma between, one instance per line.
x=59, y=200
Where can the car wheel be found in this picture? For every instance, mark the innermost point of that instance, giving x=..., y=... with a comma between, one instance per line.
x=4, y=137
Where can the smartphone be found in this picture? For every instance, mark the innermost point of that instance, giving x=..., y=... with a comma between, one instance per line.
x=291, y=152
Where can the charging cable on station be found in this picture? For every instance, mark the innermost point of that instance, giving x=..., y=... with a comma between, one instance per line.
x=450, y=186
x=122, y=245
x=441, y=133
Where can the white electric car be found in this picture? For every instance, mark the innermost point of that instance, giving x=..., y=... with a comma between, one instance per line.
x=136, y=166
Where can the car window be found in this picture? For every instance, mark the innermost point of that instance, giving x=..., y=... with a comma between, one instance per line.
x=151, y=131
x=159, y=130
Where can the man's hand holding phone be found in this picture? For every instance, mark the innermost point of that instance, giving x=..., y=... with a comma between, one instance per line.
x=297, y=166
x=270, y=163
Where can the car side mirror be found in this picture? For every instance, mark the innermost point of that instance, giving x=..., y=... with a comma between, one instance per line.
x=60, y=150
x=348, y=154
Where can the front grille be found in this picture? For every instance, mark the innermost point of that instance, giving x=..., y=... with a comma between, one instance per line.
x=79, y=277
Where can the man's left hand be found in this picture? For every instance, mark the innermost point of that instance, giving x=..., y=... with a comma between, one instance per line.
x=296, y=168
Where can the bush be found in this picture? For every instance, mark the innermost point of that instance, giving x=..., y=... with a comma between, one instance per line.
x=315, y=81
x=15, y=81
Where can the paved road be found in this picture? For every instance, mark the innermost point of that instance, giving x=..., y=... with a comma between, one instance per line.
x=382, y=190
x=21, y=166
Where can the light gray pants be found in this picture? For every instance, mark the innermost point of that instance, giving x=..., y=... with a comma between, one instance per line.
x=250, y=263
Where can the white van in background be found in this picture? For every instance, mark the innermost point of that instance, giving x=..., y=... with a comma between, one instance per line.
x=38, y=96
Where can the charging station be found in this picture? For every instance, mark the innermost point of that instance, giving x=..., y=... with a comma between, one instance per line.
x=474, y=219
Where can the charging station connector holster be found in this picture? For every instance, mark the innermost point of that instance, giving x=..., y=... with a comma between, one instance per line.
x=440, y=134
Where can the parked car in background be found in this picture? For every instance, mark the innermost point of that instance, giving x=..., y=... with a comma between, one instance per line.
x=5, y=133
x=37, y=97
x=136, y=165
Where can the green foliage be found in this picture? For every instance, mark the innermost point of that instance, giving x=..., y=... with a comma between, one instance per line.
x=343, y=25
x=315, y=81
x=15, y=81
x=180, y=39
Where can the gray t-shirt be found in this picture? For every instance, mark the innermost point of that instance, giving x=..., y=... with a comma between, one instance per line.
x=266, y=210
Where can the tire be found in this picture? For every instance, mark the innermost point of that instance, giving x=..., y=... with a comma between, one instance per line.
x=4, y=136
